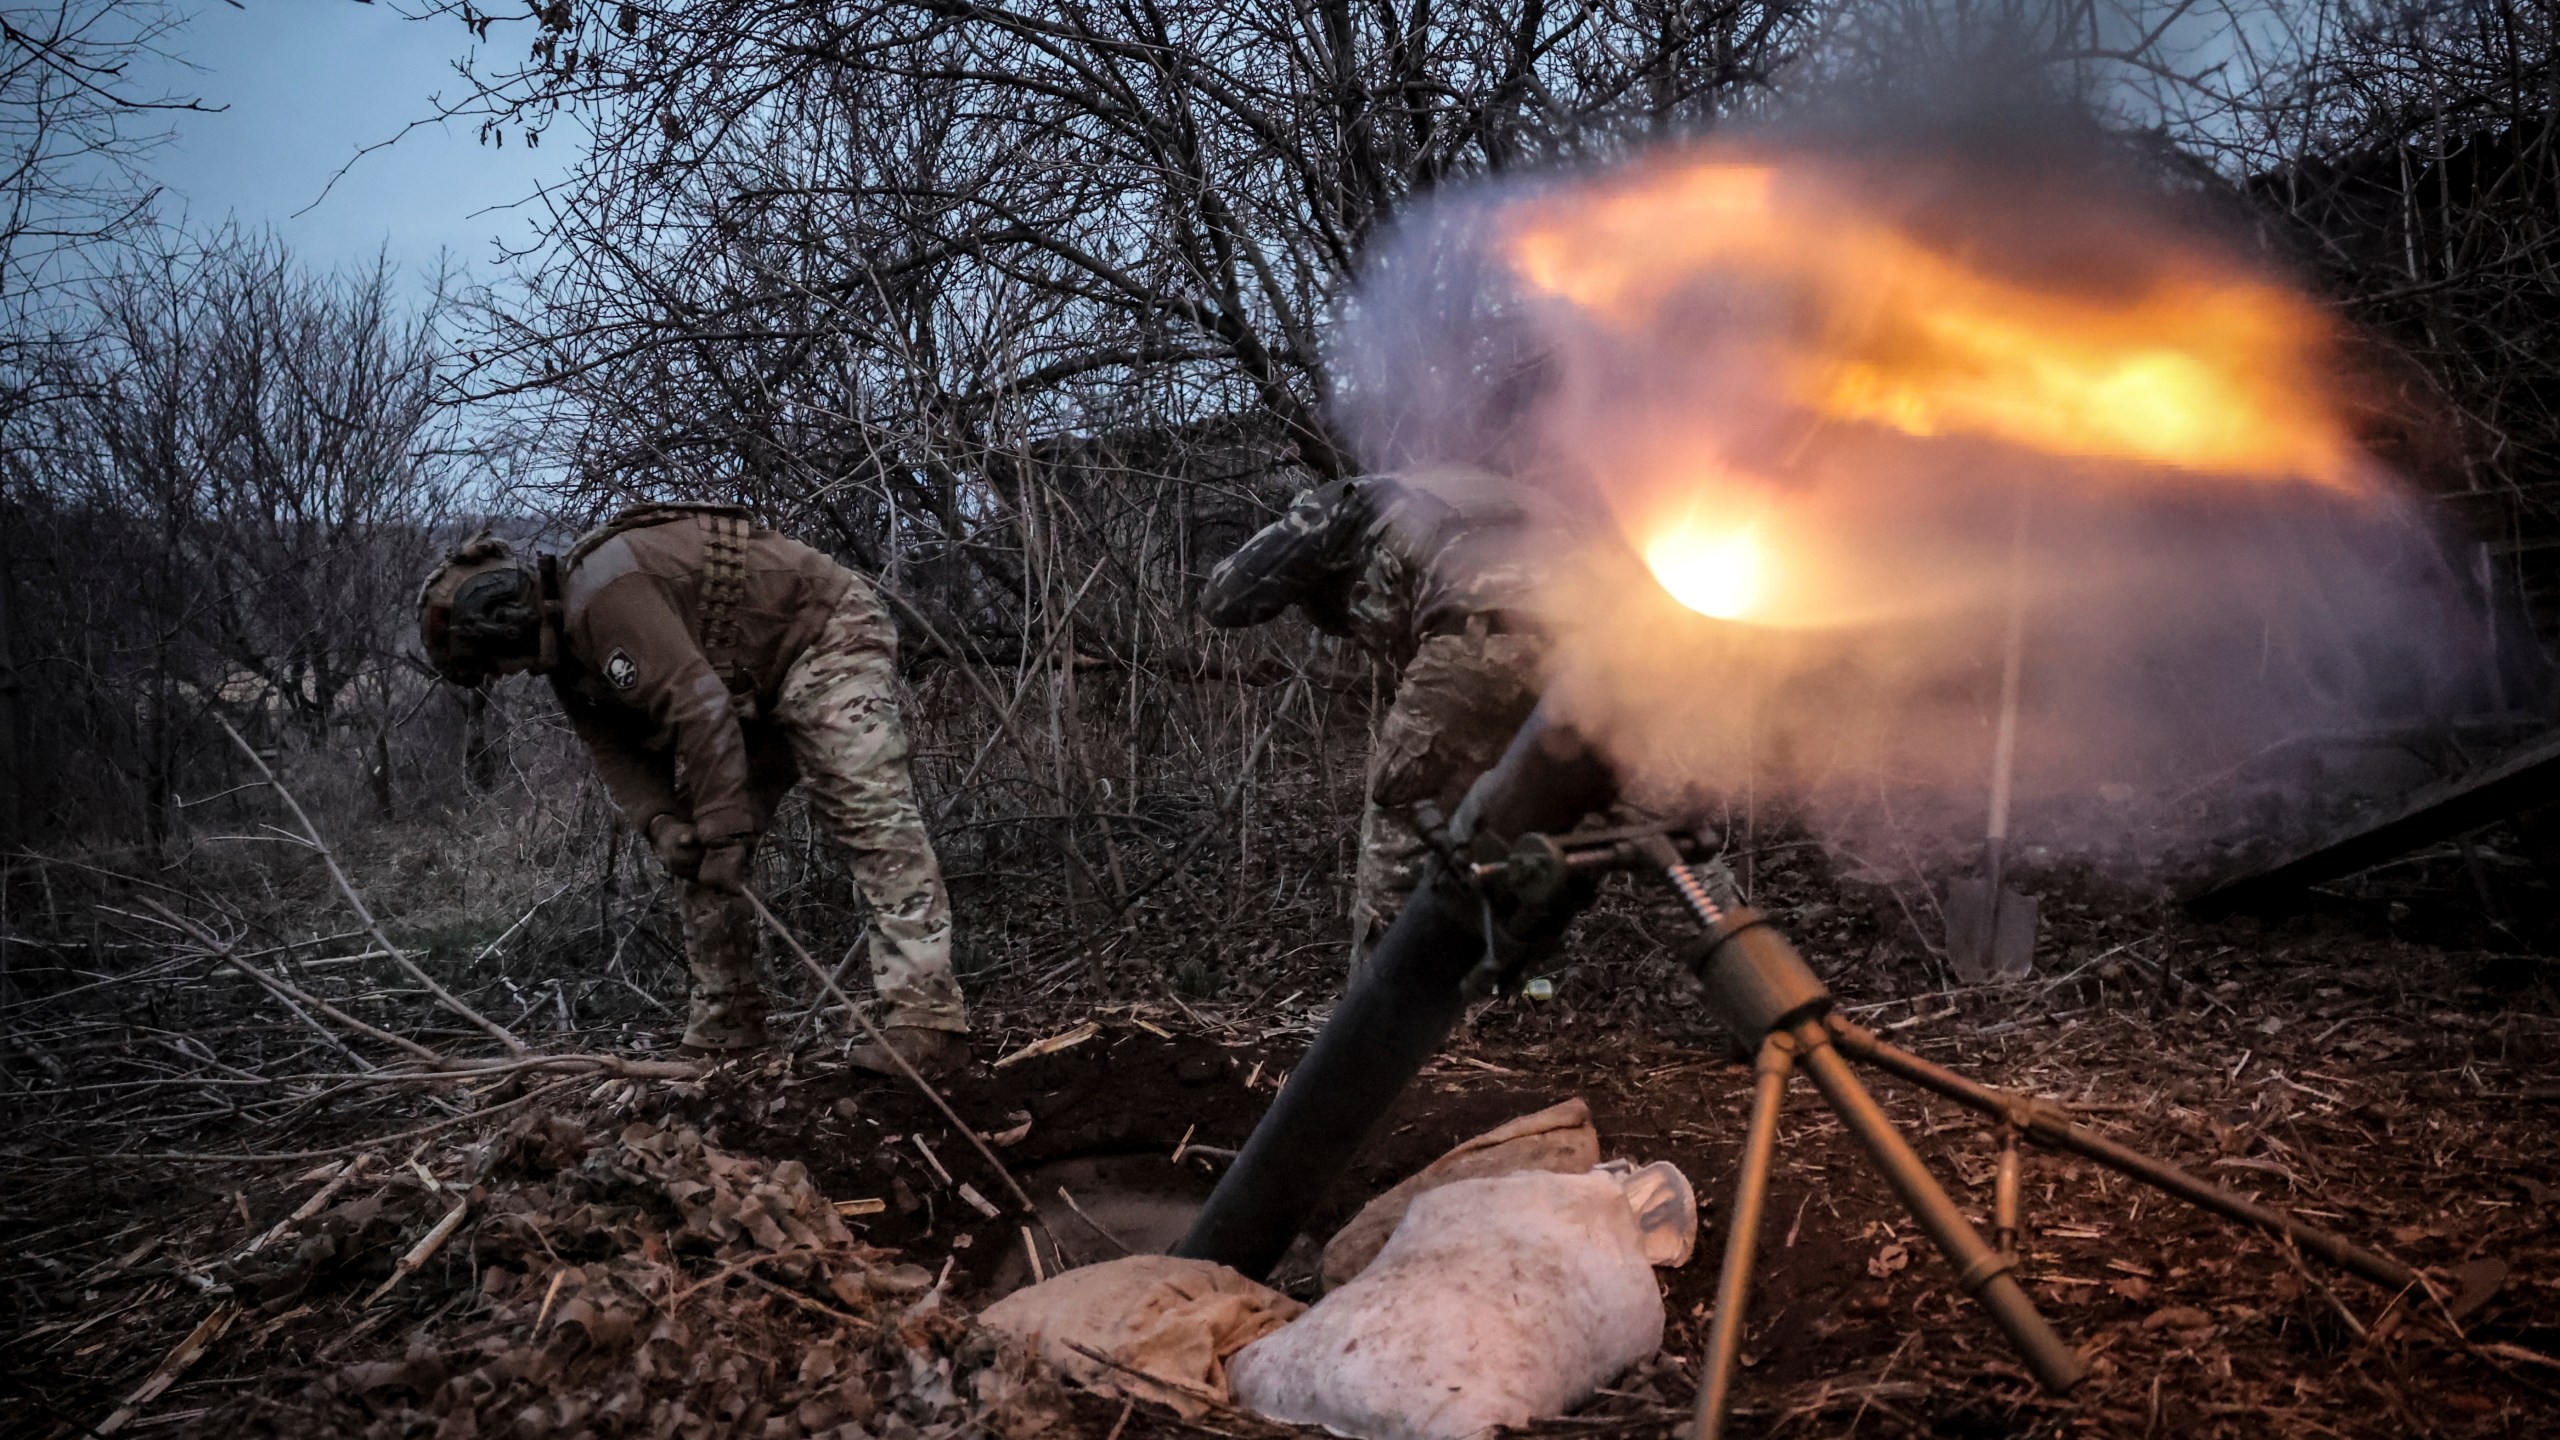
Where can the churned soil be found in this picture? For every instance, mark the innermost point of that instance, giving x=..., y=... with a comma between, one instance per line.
x=2394, y=1090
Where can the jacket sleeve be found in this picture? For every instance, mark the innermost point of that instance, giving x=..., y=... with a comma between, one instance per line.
x=642, y=782
x=638, y=645
x=1292, y=560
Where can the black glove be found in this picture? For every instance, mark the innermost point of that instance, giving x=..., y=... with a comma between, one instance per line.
x=678, y=847
x=724, y=867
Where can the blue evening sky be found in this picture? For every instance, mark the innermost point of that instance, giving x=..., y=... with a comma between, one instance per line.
x=307, y=84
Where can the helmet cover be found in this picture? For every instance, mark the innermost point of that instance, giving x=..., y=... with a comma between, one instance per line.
x=479, y=606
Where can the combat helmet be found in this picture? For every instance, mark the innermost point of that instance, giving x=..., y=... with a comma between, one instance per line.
x=484, y=605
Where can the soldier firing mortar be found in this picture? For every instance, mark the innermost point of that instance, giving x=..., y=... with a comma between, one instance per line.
x=708, y=663
x=1424, y=571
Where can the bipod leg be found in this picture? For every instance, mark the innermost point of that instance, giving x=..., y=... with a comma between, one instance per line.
x=1742, y=1234
x=2047, y=1126
x=1980, y=1270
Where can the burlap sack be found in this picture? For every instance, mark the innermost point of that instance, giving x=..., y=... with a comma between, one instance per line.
x=1559, y=1138
x=1149, y=1326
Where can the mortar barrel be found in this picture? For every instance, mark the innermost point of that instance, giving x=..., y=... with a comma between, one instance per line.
x=1399, y=1008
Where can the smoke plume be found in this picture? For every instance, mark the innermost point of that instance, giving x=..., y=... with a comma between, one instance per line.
x=1831, y=412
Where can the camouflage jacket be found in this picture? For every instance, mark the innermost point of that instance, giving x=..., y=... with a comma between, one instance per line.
x=1383, y=559
x=678, y=624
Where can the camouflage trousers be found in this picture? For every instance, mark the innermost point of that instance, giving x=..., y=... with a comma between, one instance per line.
x=1456, y=708
x=838, y=712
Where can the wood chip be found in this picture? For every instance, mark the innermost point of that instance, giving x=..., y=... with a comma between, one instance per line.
x=1031, y=1248
x=166, y=1374
x=549, y=1295
x=1014, y=1134
x=931, y=1159
x=2518, y=1353
x=1160, y=1034
x=420, y=1253
x=851, y=1208
x=1053, y=1044
x=977, y=1202
x=310, y=1207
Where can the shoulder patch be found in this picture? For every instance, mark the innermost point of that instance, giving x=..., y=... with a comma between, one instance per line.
x=620, y=670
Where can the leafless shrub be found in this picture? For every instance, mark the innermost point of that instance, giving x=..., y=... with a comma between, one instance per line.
x=223, y=510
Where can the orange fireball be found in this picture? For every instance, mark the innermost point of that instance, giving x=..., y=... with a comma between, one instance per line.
x=1823, y=305
x=2201, y=368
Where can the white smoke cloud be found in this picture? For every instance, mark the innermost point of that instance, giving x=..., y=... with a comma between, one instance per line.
x=2089, y=365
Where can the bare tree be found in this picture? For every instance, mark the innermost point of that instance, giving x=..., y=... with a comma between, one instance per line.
x=228, y=506
x=73, y=129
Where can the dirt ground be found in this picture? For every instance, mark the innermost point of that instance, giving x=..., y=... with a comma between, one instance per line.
x=787, y=1246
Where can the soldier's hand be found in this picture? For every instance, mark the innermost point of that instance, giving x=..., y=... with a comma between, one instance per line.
x=678, y=847
x=724, y=867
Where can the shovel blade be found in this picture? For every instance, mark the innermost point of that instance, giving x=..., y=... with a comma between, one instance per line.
x=1991, y=932
x=2013, y=936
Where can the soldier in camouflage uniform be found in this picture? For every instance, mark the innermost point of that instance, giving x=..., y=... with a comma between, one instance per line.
x=708, y=664
x=1426, y=572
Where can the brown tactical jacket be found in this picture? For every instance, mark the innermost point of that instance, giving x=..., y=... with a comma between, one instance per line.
x=678, y=623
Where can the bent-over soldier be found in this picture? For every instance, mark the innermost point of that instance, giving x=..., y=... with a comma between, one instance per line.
x=1425, y=571
x=708, y=663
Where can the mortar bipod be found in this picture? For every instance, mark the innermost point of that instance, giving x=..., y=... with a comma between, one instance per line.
x=1761, y=989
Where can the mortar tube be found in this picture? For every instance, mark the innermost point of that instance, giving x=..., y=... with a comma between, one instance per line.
x=1399, y=1008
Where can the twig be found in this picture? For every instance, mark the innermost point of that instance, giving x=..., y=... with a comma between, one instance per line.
x=332, y=1152
x=420, y=1253
x=549, y=1295
x=308, y=1208
x=456, y=1071
x=913, y=1076
x=286, y=990
x=443, y=1069
x=1098, y=1227
x=355, y=901
x=166, y=1373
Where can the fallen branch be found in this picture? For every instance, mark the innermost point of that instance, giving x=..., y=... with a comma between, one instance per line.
x=166, y=1374
x=308, y=1208
x=355, y=901
x=913, y=1076
x=425, y=1250
x=289, y=992
x=442, y=1069
x=334, y=1151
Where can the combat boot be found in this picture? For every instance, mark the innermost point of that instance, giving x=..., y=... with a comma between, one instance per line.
x=728, y=1003
x=719, y=1024
x=931, y=1052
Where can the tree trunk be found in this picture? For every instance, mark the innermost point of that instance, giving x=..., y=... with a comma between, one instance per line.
x=382, y=766
x=479, y=751
x=13, y=825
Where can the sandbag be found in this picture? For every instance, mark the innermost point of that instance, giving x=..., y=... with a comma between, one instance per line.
x=1559, y=1138
x=1495, y=1302
x=1162, y=1326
